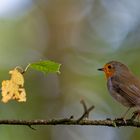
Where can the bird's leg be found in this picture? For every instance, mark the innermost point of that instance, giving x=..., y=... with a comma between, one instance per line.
x=124, y=115
x=136, y=115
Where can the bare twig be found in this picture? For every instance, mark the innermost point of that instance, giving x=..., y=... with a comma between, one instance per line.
x=86, y=110
x=31, y=127
x=23, y=71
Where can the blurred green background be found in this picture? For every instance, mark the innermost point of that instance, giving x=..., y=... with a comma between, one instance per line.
x=82, y=35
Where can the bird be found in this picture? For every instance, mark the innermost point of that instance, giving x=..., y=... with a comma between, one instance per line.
x=122, y=85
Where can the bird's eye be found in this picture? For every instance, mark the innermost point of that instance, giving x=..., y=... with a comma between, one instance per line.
x=109, y=67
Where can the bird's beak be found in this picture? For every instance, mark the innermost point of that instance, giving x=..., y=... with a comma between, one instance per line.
x=101, y=69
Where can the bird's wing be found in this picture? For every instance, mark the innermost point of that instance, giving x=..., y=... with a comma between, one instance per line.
x=129, y=92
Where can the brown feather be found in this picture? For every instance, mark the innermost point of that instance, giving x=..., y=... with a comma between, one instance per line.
x=124, y=83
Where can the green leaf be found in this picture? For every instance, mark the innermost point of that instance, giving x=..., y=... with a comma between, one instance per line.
x=46, y=66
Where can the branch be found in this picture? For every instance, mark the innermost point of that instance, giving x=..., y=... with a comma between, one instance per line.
x=80, y=121
x=69, y=121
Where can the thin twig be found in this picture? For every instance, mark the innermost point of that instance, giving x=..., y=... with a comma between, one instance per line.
x=31, y=127
x=86, y=110
x=26, y=68
x=84, y=105
x=85, y=114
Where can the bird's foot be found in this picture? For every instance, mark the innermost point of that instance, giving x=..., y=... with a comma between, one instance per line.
x=136, y=115
x=121, y=119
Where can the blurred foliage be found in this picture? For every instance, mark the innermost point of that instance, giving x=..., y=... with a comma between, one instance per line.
x=82, y=35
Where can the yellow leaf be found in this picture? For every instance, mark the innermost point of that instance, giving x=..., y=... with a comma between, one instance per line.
x=13, y=88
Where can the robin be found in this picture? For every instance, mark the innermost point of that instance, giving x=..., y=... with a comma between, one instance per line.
x=122, y=84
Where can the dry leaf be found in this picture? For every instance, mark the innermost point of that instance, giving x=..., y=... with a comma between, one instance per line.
x=13, y=88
